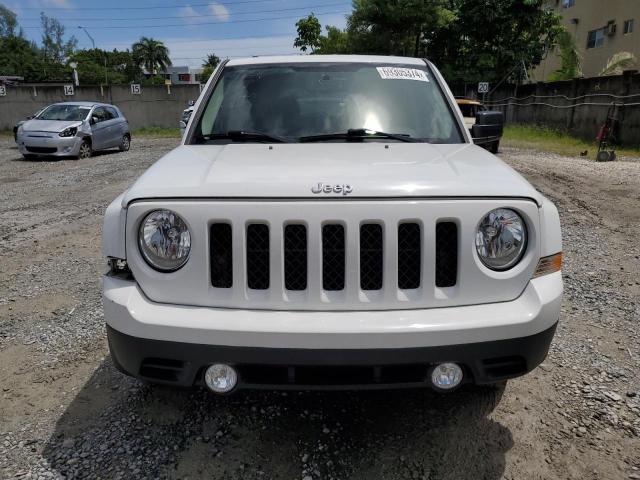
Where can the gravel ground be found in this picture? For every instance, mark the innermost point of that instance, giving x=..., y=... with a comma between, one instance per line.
x=66, y=413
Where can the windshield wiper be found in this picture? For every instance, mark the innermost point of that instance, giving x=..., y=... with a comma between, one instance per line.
x=359, y=134
x=240, y=135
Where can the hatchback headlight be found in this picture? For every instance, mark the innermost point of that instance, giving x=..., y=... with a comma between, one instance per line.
x=69, y=132
x=165, y=241
x=501, y=239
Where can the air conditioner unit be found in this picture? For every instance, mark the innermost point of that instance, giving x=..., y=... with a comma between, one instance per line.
x=611, y=28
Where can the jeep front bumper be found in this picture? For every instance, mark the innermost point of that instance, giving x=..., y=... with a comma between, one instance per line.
x=173, y=344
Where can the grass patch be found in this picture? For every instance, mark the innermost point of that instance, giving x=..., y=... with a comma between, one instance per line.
x=156, y=132
x=4, y=134
x=546, y=139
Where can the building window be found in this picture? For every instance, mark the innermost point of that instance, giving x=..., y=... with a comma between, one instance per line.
x=568, y=3
x=628, y=26
x=184, y=77
x=595, y=38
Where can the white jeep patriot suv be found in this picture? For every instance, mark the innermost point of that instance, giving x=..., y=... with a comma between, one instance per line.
x=327, y=222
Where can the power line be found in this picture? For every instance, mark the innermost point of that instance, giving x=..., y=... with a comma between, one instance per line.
x=120, y=27
x=201, y=40
x=95, y=19
x=154, y=7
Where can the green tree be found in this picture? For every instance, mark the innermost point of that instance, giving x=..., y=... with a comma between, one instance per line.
x=396, y=27
x=21, y=57
x=619, y=62
x=151, y=54
x=212, y=61
x=55, y=48
x=570, y=67
x=96, y=66
x=209, y=66
x=309, y=30
x=492, y=39
x=8, y=23
x=336, y=41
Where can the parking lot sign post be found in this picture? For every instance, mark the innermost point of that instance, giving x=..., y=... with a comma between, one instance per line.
x=68, y=90
x=483, y=88
x=135, y=89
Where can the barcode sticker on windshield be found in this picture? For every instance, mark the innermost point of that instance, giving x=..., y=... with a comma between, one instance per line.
x=400, y=73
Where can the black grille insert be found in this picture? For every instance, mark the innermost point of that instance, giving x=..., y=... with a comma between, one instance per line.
x=371, y=256
x=42, y=149
x=446, y=254
x=295, y=257
x=163, y=369
x=333, y=257
x=258, y=256
x=409, y=255
x=221, y=253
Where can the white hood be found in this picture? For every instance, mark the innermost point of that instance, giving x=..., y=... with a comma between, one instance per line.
x=53, y=126
x=372, y=170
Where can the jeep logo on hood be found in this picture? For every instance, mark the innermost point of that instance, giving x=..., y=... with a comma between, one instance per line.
x=325, y=188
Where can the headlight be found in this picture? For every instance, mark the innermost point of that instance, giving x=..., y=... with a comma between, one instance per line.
x=501, y=239
x=165, y=241
x=69, y=132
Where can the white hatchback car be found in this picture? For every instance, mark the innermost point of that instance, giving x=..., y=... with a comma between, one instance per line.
x=327, y=222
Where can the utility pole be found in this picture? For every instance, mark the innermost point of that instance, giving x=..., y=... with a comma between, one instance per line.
x=93, y=42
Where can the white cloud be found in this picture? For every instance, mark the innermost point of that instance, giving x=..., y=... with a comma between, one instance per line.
x=189, y=14
x=55, y=3
x=219, y=11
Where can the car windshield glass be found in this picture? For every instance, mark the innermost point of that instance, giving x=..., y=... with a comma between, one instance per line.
x=64, y=112
x=310, y=99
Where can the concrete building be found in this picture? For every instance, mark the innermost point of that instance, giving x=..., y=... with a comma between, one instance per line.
x=601, y=28
x=181, y=75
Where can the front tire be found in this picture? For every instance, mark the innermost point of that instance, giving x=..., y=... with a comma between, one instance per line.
x=85, y=150
x=125, y=144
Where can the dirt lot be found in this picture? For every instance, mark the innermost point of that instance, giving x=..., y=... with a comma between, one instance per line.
x=66, y=413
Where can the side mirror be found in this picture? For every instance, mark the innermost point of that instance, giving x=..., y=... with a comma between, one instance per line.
x=93, y=120
x=192, y=103
x=488, y=127
x=183, y=125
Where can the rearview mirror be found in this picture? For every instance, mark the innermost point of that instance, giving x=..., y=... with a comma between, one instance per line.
x=488, y=127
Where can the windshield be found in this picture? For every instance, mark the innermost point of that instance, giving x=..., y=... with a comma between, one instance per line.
x=304, y=100
x=64, y=112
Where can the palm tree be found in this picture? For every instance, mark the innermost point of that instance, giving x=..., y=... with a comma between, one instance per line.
x=618, y=63
x=212, y=61
x=151, y=54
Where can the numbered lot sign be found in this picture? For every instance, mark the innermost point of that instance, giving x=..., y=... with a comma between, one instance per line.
x=135, y=89
x=68, y=90
x=483, y=87
x=3, y=91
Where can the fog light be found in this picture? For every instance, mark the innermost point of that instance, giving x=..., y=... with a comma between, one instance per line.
x=220, y=378
x=446, y=376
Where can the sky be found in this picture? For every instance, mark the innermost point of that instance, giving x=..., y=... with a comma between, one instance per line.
x=190, y=29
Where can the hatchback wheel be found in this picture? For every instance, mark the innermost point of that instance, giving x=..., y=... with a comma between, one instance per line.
x=125, y=144
x=85, y=150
